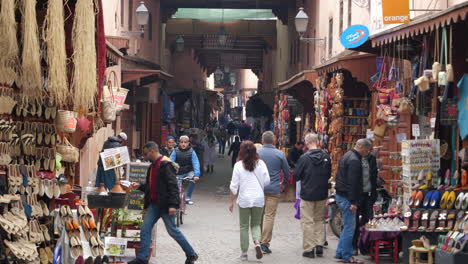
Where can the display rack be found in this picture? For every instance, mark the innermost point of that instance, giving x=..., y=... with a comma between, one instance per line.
x=356, y=112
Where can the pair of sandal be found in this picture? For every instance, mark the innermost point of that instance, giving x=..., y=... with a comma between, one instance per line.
x=23, y=250
x=51, y=188
x=97, y=246
x=46, y=255
x=87, y=221
x=45, y=159
x=14, y=221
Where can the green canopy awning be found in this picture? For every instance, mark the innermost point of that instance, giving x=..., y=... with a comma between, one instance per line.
x=217, y=15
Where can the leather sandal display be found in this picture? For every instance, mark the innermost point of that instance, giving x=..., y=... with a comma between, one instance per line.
x=424, y=221
x=443, y=201
x=415, y=225
x=419, y=199
x=433, y=221
x=450, y=220
x=407, y=221
x=435, y=199
x=451, y=197
x=442, y=221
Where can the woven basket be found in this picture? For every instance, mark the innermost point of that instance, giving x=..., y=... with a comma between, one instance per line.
x=113, y=92
x=68, y=151
x=66, y=121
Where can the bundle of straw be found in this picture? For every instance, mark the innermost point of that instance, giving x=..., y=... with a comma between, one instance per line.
x=54, y=38
x=84, y=82
x=30, y=78
x=8, y=43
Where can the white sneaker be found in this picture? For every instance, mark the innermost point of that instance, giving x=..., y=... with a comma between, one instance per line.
x=189, y=201
x=244, y=257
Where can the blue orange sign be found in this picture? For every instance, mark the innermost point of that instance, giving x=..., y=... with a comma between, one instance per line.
x=354, y=36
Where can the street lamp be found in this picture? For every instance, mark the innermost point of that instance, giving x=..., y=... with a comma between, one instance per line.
x=218, y=74
x=301, y=21
x=142, y=16
x=180, y=43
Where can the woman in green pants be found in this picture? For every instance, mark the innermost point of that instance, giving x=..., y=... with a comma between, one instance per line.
x=249, y=177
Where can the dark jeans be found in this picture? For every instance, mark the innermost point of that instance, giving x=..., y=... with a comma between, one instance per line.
x=344, y=250
x=152, y=216
x=365, y=210
x=221, y=146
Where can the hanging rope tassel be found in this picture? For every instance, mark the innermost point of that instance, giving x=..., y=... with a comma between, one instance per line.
x=54, y=38
x=8, y=43
x=30, y=80
x=84, y=82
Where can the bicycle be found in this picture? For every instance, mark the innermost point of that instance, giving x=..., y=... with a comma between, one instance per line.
x=182, y=206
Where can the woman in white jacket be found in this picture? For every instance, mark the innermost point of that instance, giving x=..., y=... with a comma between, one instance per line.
x=249, y=178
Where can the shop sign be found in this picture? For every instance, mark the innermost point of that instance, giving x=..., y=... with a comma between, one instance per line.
x=354, y=36
x=395, y=11
x=115, y=157
x=137, y=173
x=115, y=246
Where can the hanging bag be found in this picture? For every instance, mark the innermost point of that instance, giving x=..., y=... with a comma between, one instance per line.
x=442, y=76
x=66, y=121
x=449, y=68
x=109, y=107
x=115, y=92
x=68, y=151
x=436, y=65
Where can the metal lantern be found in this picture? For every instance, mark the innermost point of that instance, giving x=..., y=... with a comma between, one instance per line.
x=222, y=37
x=233, y=79
x=142, y=14
x=180, y=43
x=218, y=74
x=301, y=20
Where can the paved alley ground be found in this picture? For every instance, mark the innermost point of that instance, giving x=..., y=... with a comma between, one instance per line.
x=214, y=232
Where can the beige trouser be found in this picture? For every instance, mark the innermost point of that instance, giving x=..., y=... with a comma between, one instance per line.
x=269, y=213
x=312, y=214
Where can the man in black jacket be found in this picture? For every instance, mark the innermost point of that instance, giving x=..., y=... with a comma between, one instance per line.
x=313, y=170
x=349, y=188
x=368, y=197
x=295, y=153
x=161, y=201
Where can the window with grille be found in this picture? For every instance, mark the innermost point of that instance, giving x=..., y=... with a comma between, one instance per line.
x=150, y=27
x=350, y=9
x=341, y=17
x=122, y=12
x=130, y=14
x=330, y=36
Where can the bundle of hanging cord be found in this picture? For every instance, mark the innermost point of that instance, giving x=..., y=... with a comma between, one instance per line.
x=8, y=43
x=84, y=82
x=30, y=80
x=54, y=38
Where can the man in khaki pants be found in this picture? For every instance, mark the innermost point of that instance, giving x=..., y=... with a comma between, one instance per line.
x=313, y=170
x=275, y=162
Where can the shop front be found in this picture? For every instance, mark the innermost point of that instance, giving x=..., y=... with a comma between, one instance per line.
x=417, y=120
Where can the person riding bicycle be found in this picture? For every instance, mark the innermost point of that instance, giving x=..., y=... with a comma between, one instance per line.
x=189, y=166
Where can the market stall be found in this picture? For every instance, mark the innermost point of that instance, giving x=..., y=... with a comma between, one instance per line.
x=417, y=96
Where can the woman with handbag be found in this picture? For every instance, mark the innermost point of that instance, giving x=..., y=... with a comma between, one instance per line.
x=249, y=178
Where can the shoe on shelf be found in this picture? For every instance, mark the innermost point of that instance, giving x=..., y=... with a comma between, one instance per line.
x=319, y=251
x=191, y=259
x=189, y=201
x=309, y=254
x=266, y=250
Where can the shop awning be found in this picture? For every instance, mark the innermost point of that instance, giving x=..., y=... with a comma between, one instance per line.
x=361, y=65
x=129, y=75
x=309, y=75
x=301, y=87
x=418, y=26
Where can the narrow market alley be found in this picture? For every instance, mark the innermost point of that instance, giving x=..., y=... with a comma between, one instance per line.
x=214, y=231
